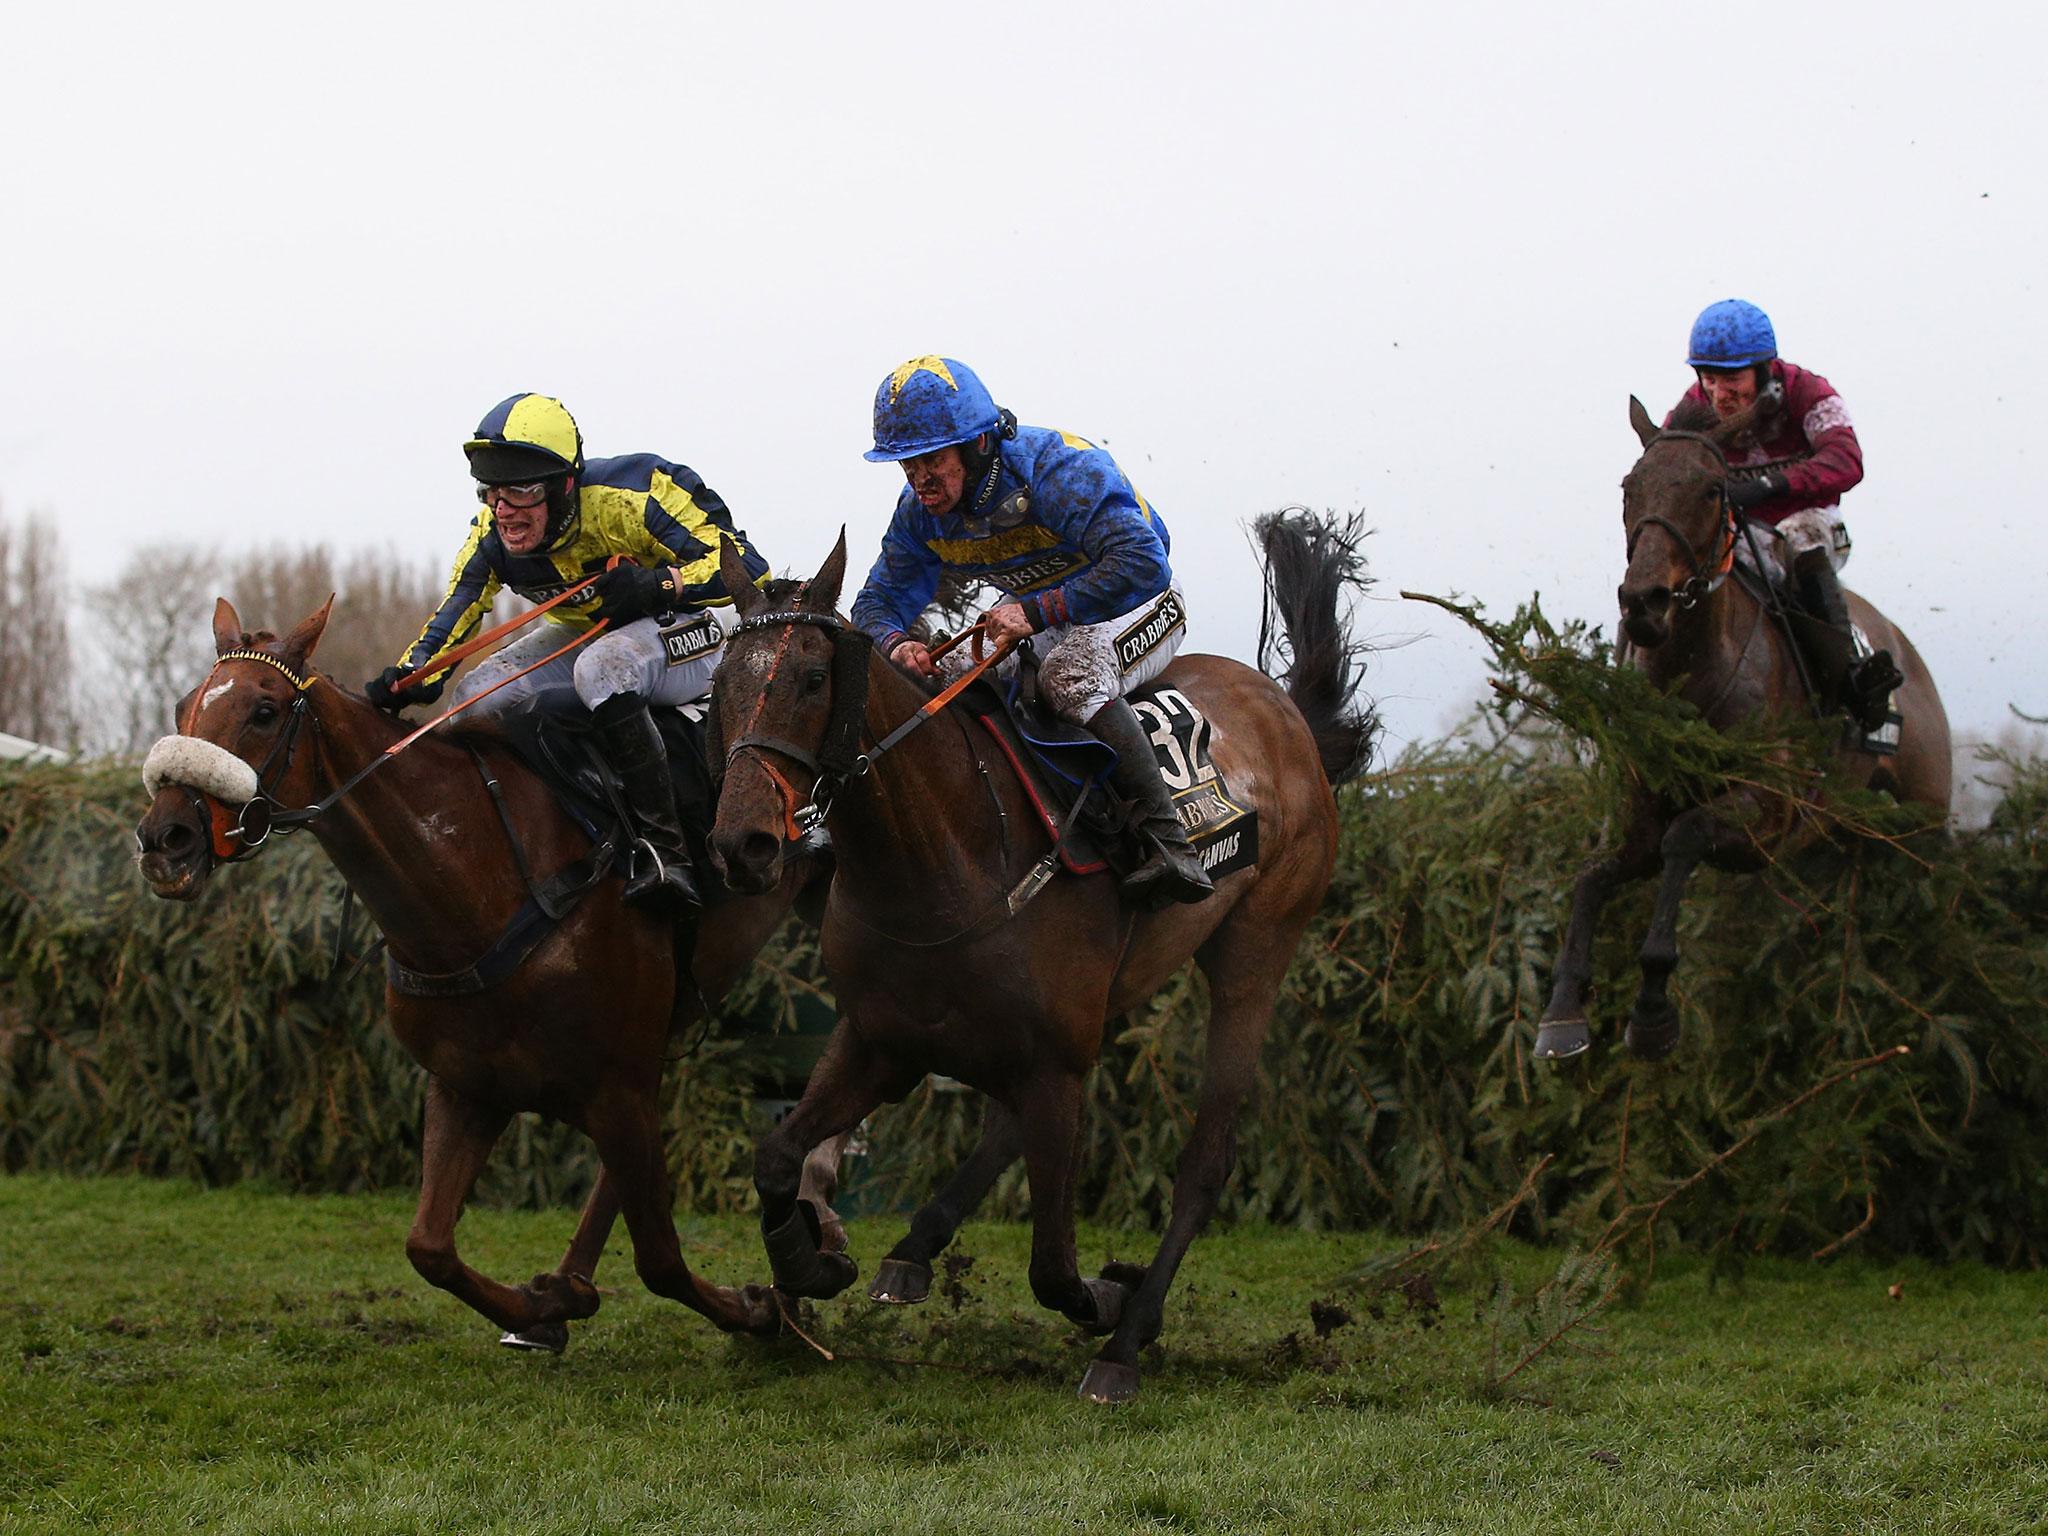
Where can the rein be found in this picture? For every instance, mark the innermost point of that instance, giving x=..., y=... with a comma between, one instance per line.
x=236, y=835
x=1702, y=583
x=838, y=759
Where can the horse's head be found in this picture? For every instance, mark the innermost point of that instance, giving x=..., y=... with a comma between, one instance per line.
x=213, y=784
x=787, y=704
x=1674, y=509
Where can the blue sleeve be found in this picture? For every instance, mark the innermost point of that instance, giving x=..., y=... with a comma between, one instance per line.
x=471, y=587
x=1087, y=501
x=900, y=584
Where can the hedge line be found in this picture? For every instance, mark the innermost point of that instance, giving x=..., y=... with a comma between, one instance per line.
x=206, y=1040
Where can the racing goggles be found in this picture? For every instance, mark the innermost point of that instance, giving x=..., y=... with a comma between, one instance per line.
x=519, y=497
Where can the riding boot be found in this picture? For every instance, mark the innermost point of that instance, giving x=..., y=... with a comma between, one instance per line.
x=1173, y=872
x=660, y=859
x=1871, y=678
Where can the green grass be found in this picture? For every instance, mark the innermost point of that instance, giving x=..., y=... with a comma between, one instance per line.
x=177, y=1358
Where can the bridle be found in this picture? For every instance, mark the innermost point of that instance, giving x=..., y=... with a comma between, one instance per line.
x=838, y=757
x=236, y=835
x=1706, y=574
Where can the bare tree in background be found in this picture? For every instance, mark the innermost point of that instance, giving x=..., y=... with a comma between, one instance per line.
x=35, y=640
x=154, y=624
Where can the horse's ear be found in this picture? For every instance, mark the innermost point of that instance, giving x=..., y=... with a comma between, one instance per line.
x=227, y=627
x=821, y=593
x=298, y=645
x=1640, y=420
x=746, y=597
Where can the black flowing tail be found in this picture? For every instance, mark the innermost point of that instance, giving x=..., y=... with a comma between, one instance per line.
x=1308, y=561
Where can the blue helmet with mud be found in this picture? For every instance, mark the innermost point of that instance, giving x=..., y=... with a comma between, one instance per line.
x=1731, y=334
x=927, y=404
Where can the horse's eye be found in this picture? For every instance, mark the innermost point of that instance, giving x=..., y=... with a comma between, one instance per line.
x=263, y=713
x=814, y=680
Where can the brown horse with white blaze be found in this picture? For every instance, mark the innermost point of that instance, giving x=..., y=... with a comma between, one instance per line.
x=1712, y=640
x=936, y=970
x=577, y=1031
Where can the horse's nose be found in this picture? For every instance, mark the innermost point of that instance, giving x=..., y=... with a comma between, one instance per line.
x=1653, y=603
x=748, y=861
x=169, y=838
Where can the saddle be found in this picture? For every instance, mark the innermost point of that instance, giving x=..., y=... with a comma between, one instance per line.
x=561, y=747
x=1065, y=773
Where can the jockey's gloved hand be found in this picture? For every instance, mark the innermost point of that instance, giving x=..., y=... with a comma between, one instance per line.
x=382, y=691
x=1746, y=491
x=627, y=592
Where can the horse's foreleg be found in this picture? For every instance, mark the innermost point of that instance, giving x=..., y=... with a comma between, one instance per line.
x=849, y=1081
x=906, y=1275
x=1694, y=835
x=627, y=1130
x=459, y=1134
x=593, y=1228
x=1563, y=1032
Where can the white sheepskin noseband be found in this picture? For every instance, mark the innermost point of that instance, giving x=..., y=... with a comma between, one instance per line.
x=200, y=765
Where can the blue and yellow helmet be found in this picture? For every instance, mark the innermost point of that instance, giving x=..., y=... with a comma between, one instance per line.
x=527, y=437
x=927, y=404
x=1731, y=334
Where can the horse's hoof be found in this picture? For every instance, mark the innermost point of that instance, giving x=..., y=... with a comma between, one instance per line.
x=899, y=1282
x=1653, y=1030
x=1129, y=1276
x=1563, y=1039
x=1108, y=1382
x=552, y=1337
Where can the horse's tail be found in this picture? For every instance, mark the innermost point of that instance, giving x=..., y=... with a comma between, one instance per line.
x=1308, y=561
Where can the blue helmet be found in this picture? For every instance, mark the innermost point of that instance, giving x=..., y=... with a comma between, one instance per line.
x=1732, y=334
x=927, y=404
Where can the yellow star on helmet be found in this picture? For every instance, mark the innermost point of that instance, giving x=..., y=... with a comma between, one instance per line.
x=910, y=370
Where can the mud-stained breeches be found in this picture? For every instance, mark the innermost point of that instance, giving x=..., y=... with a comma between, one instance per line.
x=665, y=661
x=1814, y=528
x=1083, y=666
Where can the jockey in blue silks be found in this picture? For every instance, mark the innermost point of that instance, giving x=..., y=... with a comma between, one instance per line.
x=1080, y=558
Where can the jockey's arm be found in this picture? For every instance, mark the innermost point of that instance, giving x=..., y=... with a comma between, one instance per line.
x=1833, y=462
x=899, y=587
x=683, y=522
x=471, y=587
x=1127, y=562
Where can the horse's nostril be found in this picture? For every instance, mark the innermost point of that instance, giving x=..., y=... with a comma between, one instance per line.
x=758, y=849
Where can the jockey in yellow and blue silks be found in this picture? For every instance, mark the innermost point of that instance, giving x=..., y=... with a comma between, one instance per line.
x=550, y=519
x=1080, y=558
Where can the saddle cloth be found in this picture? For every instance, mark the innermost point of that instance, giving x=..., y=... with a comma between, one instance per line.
x=1055, y=760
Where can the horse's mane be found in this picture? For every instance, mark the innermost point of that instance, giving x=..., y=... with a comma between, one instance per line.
x=1693, y=416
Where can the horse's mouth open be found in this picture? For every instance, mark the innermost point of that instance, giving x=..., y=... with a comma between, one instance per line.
x=173, y=856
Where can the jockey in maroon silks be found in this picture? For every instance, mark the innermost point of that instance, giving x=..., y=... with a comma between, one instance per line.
x=1790, y=474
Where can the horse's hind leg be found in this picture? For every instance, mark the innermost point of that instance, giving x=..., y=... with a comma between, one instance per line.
x=593, y=1228
x=1244, y=962
x=626, y=1125
x=1694, y=835
x=1563, y=1032
x=906, y=1275
x=459, y=1135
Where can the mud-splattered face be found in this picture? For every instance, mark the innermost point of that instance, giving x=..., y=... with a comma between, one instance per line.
x=939, y=478
x=1729, y=390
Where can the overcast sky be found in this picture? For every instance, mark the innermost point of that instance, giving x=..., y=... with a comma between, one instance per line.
x=265, y=266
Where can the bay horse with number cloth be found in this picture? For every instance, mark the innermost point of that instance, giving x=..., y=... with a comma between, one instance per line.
x=936, y=969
